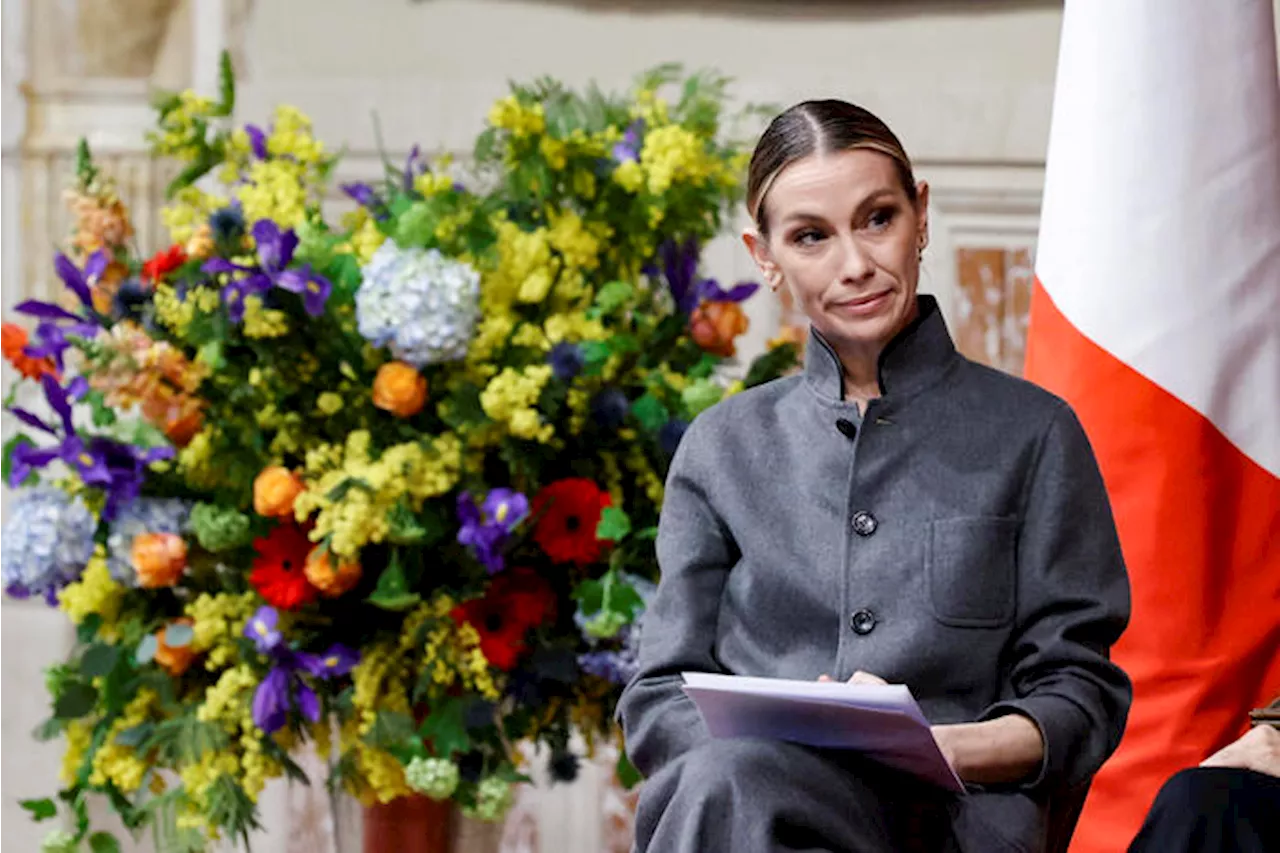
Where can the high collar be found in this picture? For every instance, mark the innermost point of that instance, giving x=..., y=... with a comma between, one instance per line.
x=915, y=358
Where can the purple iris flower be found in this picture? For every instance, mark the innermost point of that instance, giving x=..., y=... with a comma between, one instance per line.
x=81, y=282
x=628, y=148
x=119, y=469
x=412, y=168
x=51, y=339
x=262, y=630
x=272, y=699
x=334, y=663
x=275, y=253
x=680, y=268
x=365, y=196
x=284, y=688
x=486, y=528
x=258, y=140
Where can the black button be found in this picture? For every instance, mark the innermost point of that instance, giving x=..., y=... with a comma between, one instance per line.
x=847, y=427
x=864, y=523
x=862, y=621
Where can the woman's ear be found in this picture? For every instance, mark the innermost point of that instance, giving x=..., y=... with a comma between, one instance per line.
x=758, y=246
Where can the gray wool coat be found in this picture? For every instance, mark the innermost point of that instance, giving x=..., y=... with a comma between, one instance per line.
x=957, y=538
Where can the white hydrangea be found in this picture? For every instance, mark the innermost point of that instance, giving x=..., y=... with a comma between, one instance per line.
x=48, y=539
x=419, y=303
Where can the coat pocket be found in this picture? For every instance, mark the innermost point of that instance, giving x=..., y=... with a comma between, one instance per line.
x=971, y=571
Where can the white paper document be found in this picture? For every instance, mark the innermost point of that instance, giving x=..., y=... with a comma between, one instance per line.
x=882, y=722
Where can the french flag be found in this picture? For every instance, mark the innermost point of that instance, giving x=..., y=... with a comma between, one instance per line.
x=1156, y=314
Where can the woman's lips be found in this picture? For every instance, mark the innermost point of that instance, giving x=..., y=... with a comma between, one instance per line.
x=864, y=305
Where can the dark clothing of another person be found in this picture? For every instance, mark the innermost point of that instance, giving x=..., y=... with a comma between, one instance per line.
x=957, y=538
x=1213, y=810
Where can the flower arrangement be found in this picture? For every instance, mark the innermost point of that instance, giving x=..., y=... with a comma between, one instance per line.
x=385, y=485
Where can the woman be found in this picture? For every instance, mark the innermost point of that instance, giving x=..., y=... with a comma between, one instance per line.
x=895, y=512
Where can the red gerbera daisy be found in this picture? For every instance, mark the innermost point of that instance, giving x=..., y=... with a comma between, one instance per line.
x=279, y=569
x=517, y=601
x=568, y=511
x=163, y=262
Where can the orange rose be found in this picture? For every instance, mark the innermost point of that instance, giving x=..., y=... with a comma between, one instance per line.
x=399, y=389
x=714, y=325
x=174, y=659
x=274, y=492
x=159, y=559
x=333, y=577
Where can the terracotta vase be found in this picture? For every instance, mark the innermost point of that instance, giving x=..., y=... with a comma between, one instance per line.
x=409, y=825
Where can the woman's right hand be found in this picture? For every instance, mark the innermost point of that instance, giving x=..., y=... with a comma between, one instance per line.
x=1258, y=750
x=859, y=677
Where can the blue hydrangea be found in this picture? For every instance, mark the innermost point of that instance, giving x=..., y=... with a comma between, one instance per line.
x=621, y=664
x=618, y=666
x=420, y=304
x=48, y=539
x=144, y=515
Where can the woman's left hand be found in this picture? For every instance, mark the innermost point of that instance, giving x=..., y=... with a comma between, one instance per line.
x=859, y=677
x=1006, y=749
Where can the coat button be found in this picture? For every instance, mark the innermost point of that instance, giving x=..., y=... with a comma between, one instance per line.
x=864, y=523
x=862, y=621
x=847, y=428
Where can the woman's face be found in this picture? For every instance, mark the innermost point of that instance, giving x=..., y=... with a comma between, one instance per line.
x=846, y=239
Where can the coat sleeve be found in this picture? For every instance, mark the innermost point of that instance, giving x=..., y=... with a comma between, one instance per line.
x=678, y=634
x=1073, y=604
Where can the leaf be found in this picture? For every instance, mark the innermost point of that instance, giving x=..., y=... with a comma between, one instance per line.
x=40, y=809
x=76, y=700
x=613, y=296
x=771, y=365
x=135, y=735
x=410, y=529
x=339, y=491
x=614, y=524
x=590, y=597
x=628, y=775
x=146, y=650
x=184, y=740
x=389, y=729
x=704, y=368
x=103, y=415
x=99, y=660
x=211, y=354
x=649, y=410
x=445, y=728
x=646, y=533
x=624, y=600
x=10, y=446
x=48, y=730
x=595, y=353
x=178, y=636
x=226, y=84
x=462, y=407
x=87, y=630
x=103, y=842
x=392, y=591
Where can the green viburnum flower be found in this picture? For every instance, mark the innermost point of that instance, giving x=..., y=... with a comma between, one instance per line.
x=494, y=797
x=437, y=778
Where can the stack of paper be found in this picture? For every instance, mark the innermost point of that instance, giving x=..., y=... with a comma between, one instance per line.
x=881, y=721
